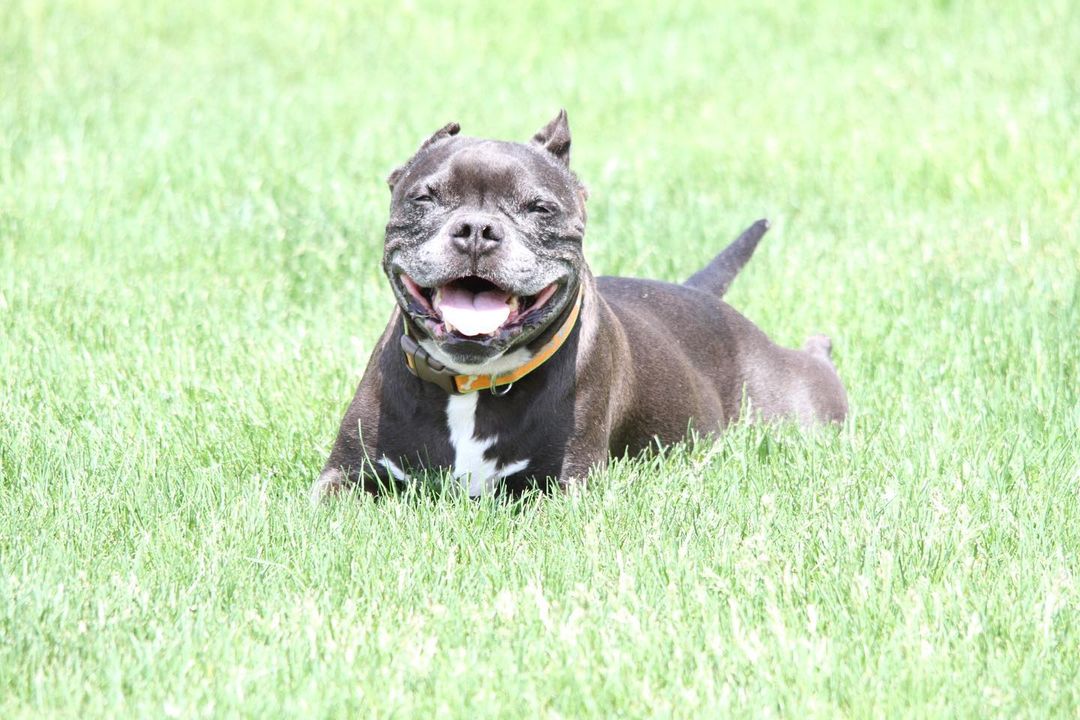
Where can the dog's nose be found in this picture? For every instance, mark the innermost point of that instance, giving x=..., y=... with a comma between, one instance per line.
x=477, y=234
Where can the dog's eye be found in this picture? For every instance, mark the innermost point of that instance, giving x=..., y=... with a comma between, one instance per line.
x=423, y=196
x=541, y=207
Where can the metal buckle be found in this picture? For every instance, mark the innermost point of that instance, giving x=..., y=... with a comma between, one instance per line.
x=496, y=391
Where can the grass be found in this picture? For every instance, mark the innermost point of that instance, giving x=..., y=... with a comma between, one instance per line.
x=191, y=210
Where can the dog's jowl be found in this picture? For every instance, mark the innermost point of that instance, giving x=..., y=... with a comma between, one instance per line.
x=507, y=365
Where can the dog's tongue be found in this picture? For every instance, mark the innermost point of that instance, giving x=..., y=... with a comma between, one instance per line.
x=474, y=313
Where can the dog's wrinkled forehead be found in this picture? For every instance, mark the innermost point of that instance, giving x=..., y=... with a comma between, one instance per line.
x=478, y=171
x=476, y=168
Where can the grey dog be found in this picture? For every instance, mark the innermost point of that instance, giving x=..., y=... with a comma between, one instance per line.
x=507, y=365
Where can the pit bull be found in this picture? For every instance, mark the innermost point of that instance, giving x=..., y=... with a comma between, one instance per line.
x=507, y=365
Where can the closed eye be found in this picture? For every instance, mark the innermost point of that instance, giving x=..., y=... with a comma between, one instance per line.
x=427, y=195
x=541, y=207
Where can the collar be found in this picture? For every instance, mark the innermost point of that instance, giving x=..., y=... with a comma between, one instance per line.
x=428, y=368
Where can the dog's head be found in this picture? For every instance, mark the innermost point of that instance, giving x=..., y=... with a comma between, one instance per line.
x=483, y=247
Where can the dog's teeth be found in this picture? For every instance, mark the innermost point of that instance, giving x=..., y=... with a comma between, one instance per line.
x=436, y=299
x=449, y=326
x=513, y=302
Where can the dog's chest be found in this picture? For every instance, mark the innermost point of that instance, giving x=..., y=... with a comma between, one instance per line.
x=482, y=441
x=476, y=463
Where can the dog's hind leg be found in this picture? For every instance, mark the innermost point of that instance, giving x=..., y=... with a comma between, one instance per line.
x=819, y=346
x=823, y=383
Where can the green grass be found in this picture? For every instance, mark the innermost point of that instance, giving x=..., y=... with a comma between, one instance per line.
x=191, y=212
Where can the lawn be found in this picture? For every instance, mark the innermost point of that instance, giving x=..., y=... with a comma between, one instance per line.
x=192, y=199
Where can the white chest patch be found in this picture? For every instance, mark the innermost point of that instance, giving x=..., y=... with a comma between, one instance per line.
x=476, y=474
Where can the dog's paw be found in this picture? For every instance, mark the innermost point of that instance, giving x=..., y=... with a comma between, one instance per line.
x=329, y=483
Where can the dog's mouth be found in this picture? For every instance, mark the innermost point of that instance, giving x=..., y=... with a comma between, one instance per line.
x=475, y=309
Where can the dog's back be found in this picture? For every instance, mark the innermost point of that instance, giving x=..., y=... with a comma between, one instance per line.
x=695, y=359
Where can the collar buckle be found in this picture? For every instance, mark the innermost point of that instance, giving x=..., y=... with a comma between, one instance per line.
x=427, y=368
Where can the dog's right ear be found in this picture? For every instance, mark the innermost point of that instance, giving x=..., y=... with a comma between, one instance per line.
x=448, y=130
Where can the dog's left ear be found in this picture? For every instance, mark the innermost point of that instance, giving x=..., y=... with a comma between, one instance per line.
x=448, y=130
x=555, y=138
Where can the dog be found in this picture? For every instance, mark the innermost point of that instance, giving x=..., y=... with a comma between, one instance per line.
x=507, y=365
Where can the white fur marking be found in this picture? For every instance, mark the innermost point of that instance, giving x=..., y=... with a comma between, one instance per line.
x=398, y=474
x=514, y=467
x=476, y=473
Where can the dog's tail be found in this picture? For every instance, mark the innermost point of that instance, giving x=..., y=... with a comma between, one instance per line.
x=716, y=277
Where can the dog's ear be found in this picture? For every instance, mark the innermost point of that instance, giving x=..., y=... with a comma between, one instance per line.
x=555, y=138
x=448, y=130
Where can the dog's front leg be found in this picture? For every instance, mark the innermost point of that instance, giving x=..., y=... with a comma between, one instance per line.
x=586, y=451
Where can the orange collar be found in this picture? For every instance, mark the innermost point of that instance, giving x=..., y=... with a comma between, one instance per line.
x=428, y=368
